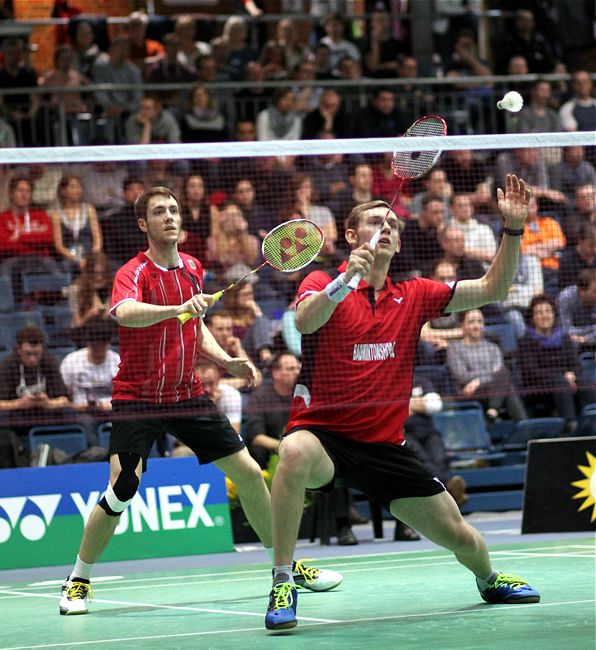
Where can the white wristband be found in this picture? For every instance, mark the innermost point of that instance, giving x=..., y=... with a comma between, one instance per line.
x=337, y=289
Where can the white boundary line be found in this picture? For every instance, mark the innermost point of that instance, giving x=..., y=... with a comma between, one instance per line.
x=456, y=612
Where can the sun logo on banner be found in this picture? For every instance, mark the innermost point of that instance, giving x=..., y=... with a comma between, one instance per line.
x=587, y=485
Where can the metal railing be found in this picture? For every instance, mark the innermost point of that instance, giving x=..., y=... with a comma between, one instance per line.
x=468, y=111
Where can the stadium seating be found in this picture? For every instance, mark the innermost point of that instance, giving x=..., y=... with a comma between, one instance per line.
x=526, y=430
x=69, y=438
x=463, y=429
x=6, y=295
x=11, y=323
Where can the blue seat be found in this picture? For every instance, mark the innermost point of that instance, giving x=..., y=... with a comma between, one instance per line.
x=70, y=437
x=33, y=282
x=103, y=436
x=463, y=429
x=503, y=334
x=536, y=428
x=586, y=425
x=57, y=323
x=6, y=295
x=587, y=361
x=61, y=351
x=11, y=323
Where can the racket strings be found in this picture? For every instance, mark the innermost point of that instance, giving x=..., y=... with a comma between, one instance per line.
x=414, y=164
x=293, y=245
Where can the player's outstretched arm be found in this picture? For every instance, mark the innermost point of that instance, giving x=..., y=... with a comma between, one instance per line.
x=495, y=284
x=141, y=314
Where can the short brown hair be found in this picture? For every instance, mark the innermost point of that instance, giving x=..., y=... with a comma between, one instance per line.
x=142, y=201
x=358, y=211
x=29, y=334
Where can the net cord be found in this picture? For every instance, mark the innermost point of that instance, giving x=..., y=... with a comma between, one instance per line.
x=22, y=156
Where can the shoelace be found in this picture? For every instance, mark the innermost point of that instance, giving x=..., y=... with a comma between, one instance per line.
x=78, y=590
x=309, y=573
x=283, y=596
x=509, y=580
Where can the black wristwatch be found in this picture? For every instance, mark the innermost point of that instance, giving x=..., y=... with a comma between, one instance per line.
x=512, y=232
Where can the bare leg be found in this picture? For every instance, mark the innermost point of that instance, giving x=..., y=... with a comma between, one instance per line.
x=438, y=518
x=100, y=526
x=244, y=471
x=302, y=463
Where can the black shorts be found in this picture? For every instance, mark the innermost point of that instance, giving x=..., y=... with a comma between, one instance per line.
x=382, y=471
x=196, y=423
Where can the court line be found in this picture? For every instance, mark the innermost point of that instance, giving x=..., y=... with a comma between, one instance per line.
x=457, y=612
x=203, y=610
x=238, y=576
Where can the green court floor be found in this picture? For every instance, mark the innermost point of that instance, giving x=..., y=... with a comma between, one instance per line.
x=418, y=600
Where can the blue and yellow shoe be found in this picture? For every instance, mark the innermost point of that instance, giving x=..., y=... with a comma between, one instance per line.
x=315, y=579
x=281, y=612
x=508, y=589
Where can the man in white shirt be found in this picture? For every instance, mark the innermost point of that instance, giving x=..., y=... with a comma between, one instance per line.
x=480, y=242
x=88, y=373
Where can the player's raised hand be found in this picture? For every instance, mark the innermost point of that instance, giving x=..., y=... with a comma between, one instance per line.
x=513, y=203
x=244, y=369
x=360, y=261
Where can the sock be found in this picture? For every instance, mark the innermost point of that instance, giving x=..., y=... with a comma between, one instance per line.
x=270, y=554
x=483, y=583
x=81, y=570
x=283, y=573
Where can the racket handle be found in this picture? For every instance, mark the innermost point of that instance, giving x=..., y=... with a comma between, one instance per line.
x=186, y=316
x=355, y=281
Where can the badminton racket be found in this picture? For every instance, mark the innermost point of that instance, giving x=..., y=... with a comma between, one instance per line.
x=289, y=247
x=411, y=165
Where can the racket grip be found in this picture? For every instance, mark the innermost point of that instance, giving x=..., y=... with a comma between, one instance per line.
x=355, y=281
x=186, y=316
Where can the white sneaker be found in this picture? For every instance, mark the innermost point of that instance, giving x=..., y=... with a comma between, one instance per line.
x=315, y=579
x=75, y=597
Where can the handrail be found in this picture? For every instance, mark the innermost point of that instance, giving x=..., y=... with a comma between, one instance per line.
x=290, y=83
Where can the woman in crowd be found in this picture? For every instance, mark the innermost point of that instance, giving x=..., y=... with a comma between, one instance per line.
x=90, y=294
x=203, y=122
x=549, y=365
x=76, y=228
x=251, y=326
x=196, y=217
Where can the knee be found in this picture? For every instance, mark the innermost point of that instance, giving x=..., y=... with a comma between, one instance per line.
x=118, y=496
x=297, y=454
x=248, y=473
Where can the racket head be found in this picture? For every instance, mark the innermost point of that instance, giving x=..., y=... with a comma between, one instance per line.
x=414, y=164
x=292, y=245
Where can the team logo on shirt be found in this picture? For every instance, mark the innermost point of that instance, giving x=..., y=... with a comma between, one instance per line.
x=373, y=351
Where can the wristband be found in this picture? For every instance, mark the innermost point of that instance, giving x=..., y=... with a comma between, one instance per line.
x=512, y=232
x=337, y=289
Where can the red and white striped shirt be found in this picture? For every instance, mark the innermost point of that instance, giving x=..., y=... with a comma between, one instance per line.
x=157, y=361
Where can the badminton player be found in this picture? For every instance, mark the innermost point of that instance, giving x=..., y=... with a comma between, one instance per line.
x=352, y=395
x=156, y=390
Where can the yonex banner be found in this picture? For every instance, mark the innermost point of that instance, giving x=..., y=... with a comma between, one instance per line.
x=181, y=509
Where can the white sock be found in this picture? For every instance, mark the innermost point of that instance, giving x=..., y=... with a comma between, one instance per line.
x=483, y=583
x=82, y=569
x=283, y=573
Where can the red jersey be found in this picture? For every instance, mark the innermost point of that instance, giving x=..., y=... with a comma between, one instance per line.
x=26, y=234
x=157, y=362
x=356, y=375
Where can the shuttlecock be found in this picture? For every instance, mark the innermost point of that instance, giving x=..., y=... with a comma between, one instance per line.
x=512, y=101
